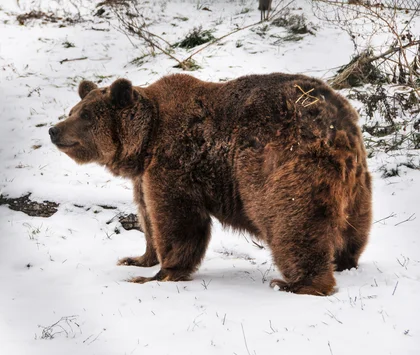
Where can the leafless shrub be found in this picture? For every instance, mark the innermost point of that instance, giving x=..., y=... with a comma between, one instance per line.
x=397, y=54
x=44, y=17
x=294, y=23
x=392, y=117
x=359, y=71
x=134, y=22
x=65, y=325
x=196, y=37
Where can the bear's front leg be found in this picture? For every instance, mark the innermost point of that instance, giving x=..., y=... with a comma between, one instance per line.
x=181, y=231
x=149, y=258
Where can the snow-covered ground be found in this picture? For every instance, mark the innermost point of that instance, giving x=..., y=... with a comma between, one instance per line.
x=60, y=288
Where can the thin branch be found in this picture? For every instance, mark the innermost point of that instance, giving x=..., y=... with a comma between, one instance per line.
x=329, y=345
x=235, y=31
x=395, y=288
x=246, y=345
x=415, y=13
x=72, y=60
x=385, y=218
x=391, y=27
x=276, y=12
x=407, y=220
x=146, y=36
x=219, y=39
x=258, y=245
x=331, y=315
x=393, y=50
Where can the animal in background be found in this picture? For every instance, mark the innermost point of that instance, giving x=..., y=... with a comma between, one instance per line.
x=265, y=8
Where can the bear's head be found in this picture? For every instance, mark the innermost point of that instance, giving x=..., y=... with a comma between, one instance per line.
x=108, y=126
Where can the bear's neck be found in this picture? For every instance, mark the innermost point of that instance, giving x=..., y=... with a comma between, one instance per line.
x=135, y=129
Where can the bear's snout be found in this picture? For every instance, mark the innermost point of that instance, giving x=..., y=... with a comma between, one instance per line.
x=59, y=138
x=53, y=131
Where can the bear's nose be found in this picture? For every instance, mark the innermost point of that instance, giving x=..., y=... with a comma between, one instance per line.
x=53, y=131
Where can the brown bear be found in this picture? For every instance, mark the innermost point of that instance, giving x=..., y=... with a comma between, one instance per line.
x=279, y=156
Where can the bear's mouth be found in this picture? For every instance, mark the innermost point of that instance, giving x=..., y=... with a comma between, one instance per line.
x=66, y=145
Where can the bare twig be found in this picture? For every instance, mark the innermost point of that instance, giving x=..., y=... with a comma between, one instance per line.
x=258, y=245
x=264, y=275
x=219, y=39
x=71, y=60
x=100, y=29
x=205, y=284
x=94, y=339
x=405, y=263
x=395, y=288
x=378, y=267
x=133, y=27
x=393, y=50
x=385, y=218
x=274, y=14
x=331, y=315
x=392, y=28
x=63, y=325
x=246, y=345
x=136, y=25
x=273, y=330
x=379, y=20
x=329, y=345
x=409, y=219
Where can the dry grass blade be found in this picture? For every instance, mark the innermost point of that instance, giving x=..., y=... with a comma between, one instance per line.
x=306, y=96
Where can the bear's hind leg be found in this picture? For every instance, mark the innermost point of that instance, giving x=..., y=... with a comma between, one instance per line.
x=356, y=233
x=355, y=238
x=306, y=264
x=302, y=241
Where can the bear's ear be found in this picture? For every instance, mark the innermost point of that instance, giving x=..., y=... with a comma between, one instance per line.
x=122, y=92
x=85, y=87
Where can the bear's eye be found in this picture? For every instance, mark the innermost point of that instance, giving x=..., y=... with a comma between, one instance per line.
x=85, y=116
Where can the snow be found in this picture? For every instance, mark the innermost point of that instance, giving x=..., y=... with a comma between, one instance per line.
x=63, y=268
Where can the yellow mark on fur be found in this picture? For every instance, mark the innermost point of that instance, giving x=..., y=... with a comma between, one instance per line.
x=306, y=96
x=351, y=225
x=166, y=278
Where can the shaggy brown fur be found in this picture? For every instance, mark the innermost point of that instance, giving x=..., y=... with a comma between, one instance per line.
x=256, y=153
